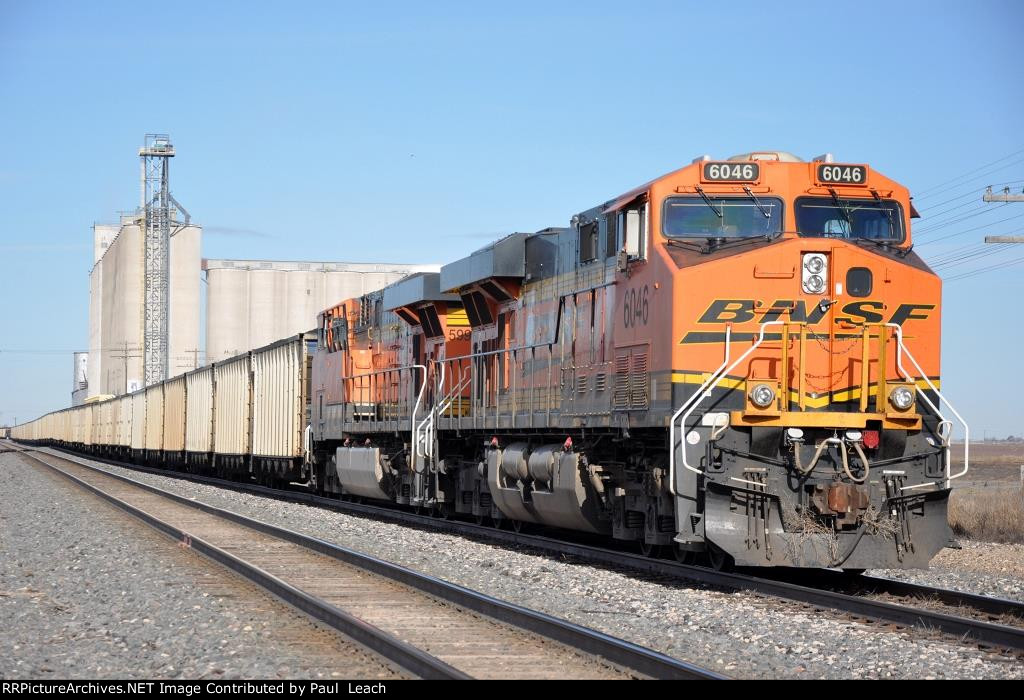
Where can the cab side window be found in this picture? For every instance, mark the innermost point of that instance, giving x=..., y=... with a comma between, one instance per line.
x=588, y=241
x=632, y=221
x=609, y=223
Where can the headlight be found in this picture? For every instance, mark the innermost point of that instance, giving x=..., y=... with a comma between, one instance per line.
x=814, y=264
x=762, y=396
x=901, y=398
x=814, y=273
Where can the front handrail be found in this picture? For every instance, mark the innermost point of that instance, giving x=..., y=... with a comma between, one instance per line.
x=947, y=436
x=702, y=393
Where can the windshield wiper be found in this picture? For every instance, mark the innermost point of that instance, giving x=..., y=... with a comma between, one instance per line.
x=757, y=203
x=707, y=200
x=689, y=245
x=847, y=214
x=888, y=212
x=878, y=242
x=719, y=243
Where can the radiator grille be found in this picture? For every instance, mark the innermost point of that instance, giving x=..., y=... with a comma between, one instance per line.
x=638, y=381
x=632, y=379
x=620, y=397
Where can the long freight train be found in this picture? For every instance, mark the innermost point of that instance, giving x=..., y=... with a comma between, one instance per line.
x=739, y=359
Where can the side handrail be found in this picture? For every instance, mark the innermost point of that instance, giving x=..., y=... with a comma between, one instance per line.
x=429, y=425
x=425, y=445
x=415, y=408
x=702, y=393
x=421, y=428
x=947, y=436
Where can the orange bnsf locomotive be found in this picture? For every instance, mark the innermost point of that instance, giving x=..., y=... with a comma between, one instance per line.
x=739, y=360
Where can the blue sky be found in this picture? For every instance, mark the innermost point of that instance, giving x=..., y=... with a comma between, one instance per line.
x=415, y=132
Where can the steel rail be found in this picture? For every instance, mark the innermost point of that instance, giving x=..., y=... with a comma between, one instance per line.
x=964, y=629
x=618, y=652
x=405, y=655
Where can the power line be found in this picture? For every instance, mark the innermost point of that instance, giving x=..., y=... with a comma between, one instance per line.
x=941, y=258
x=989, y=268
x=960, y=233
x=948, y=201
x=983, y=253
x=43, y=351
x=954, y=252
x=955, y=220
x=959, y=206
x=973, y=179
x=971, y=172
x=971, y=193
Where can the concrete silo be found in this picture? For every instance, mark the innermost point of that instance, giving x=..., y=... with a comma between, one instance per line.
x=251, y=303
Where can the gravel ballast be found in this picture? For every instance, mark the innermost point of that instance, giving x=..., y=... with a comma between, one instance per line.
x=739, y=634
x=985, y=568
x=87, y=591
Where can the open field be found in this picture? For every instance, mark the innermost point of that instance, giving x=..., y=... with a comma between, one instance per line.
x=988, y=504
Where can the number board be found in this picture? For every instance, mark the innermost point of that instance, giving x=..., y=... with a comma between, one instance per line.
x=730, y=172
x=837, y=174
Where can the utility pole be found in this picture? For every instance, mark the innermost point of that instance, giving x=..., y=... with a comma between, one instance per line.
x=194, y=352
x=125, y=355
x=1004, y=197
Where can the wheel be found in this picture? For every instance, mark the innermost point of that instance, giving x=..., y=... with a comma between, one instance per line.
x=683, y=556
x=316, y=481
x=498, y=523
x=518, y=525
x=443, y=511
x=720, y=560
x=480, y=519
x=652, y=551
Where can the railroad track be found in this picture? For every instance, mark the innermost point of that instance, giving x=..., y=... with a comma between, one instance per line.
x=426, y=626
x=987, y=622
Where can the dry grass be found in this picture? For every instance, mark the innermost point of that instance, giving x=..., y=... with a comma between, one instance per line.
x=990, y=515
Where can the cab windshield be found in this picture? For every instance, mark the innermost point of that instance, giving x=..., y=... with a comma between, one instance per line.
x=721, y=217
x=878, y=220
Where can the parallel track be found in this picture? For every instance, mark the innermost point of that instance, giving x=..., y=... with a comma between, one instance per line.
x=429, y=627
x=970, y=618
